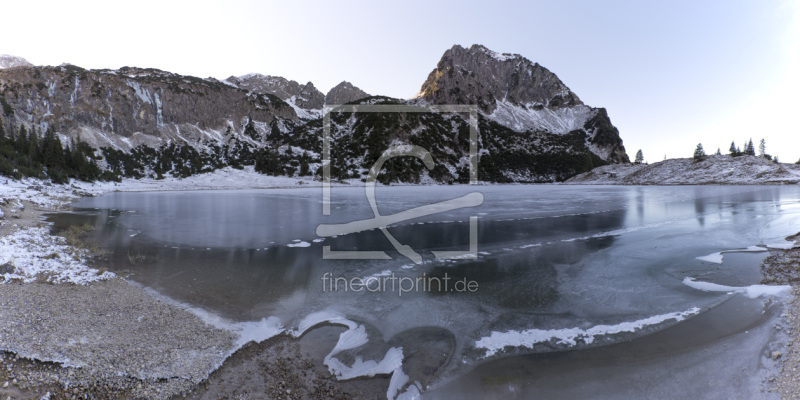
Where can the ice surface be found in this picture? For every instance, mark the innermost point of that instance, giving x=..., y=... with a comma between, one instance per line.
x=637, y=240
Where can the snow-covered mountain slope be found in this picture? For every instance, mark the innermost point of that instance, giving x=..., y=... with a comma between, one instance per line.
x=9, y=61
x=521, y=95
x=522, y=117
x=722, y=169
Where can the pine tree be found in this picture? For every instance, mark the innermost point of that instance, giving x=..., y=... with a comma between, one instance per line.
x=275, y=131
x=733, y=150
x=34, y=151
x=762, y=148
x=749, y=150
x=304, y=168
x=719, y=151
x=699, y=153
x=639, y=157
x=21, y=143
x=53, y=156
x=273, y=163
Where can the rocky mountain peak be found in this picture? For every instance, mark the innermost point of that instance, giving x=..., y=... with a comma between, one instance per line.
x=521, y=95
x=9, y=61
x=343, y=93
x=304, y=96
x=477, y=75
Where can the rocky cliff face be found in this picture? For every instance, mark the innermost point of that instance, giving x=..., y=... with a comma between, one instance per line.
x=480, y=76
x=344, y=93
x=133, y=106
x=521, y=95
x=304, y=96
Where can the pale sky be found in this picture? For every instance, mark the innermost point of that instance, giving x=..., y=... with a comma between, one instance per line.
x=671, y=74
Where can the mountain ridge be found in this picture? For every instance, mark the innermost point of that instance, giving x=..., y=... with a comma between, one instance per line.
x=136, y=117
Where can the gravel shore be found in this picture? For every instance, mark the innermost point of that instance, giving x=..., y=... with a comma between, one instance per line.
x=104, y=339
x=783, y=267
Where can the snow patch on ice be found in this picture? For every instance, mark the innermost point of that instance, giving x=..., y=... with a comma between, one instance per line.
x=497, y=341
x=352, y=338
x=391, y=362
x=782, y=246
x=299, y=243
x=399, y=379
x=320, y=317
x=715, y=258
x=752, y=291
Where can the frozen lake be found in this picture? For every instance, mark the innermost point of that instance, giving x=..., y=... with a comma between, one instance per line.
x=577, y=292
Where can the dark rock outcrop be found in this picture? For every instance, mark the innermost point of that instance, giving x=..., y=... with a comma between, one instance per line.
x=343, y=93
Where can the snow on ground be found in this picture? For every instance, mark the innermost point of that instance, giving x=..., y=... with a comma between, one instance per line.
x=723, y=169
x=56, y=195
x=32, y=254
